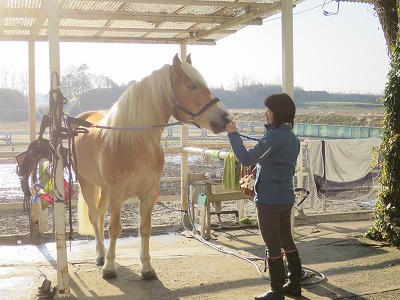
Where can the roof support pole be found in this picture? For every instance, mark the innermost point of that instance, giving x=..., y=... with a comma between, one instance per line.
x=184, y=155
x=32, y=91
x=287, y=48
x=287, y=58
x=36, y=213
x=63, y=288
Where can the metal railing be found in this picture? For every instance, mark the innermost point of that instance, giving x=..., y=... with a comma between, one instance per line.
x=301, y=130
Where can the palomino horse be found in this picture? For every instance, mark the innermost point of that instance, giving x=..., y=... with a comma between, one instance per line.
x=128, y=160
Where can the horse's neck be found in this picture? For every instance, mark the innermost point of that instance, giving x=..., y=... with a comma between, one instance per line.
x=146, y=108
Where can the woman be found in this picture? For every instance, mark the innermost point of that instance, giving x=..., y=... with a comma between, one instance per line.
x=275, y=155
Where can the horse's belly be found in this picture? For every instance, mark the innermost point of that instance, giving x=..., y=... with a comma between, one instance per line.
x=135, y=181
x=130, y=171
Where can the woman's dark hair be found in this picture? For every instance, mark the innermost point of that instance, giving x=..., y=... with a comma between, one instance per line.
x=283, y=107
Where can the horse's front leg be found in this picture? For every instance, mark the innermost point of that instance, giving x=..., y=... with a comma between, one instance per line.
x=114, y=230
x=146, y=207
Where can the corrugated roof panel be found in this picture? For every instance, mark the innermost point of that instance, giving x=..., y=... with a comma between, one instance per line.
x=131, y=24
x=257, y=1
x=82, y=23
x=229, y=12
x=21, y=3
x=176, y=25
x=18, y=22
x=163, y=35
x=183, y=35
x=16, y=32
x=204, y=26
x=122, y=34
x=91, y=5
x=88, y=17
x=216, y=36
x=236, y=27
x=151, y=8
x=198, y=10
x=67, y=32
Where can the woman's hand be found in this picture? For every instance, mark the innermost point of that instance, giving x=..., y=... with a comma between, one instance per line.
x=231, y=127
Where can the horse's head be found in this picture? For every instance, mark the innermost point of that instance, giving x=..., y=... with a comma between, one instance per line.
x=194, y=102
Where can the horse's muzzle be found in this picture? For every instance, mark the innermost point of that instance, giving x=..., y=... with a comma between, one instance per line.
x=218, y=127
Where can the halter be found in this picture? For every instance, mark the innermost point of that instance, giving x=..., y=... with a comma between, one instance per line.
x=177, y=106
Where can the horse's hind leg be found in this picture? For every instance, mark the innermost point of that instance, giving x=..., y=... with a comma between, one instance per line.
x=91, y=194
x=146, y=207
x=114, y=230
x=102, y=209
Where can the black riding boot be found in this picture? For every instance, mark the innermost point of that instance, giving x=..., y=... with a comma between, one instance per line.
x=293, y=286
x=277, y=275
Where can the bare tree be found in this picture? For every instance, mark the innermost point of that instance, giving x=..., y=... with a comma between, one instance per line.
x=102, y=81
x=4, y=77
x=10, y=80
x=240, y=81
x=77, y=80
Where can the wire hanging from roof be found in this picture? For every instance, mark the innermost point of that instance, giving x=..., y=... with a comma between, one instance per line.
x=330, y=13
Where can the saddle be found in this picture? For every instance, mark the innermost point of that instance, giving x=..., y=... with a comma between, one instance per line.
x=27, y=162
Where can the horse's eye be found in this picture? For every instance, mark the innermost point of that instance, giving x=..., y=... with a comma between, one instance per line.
x=192, y=86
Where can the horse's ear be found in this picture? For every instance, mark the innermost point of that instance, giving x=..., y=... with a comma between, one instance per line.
x=189, y=59
x=176, y=65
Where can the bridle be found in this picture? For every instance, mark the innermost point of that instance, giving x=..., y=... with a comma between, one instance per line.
x=177, y=106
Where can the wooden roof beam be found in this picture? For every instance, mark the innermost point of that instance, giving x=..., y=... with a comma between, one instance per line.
x=89, y=15
x=99, y=39
x=143, y=17
x=244, y=19
x=113, y=29
x=192, y=3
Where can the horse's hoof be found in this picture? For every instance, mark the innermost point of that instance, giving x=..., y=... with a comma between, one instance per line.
x=109, y=274
x=149, y=275
x=100, y=261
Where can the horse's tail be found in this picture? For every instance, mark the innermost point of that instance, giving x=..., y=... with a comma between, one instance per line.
x=84, y=225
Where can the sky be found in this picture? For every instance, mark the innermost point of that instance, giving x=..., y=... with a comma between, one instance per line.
x=344, y=52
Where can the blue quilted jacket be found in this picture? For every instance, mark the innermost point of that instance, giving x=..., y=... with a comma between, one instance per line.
x=275, y=155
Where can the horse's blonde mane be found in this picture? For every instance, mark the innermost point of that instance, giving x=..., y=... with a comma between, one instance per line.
x=193, y=74
x=145, y=103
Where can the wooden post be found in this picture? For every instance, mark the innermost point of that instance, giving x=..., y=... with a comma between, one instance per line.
x=185, y=159
x=63, y=287
x=35, y=209
x=287, y=48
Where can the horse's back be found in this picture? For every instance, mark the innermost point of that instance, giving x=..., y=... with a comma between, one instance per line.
x=93, y=117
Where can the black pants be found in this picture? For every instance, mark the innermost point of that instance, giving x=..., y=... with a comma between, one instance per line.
x=275, y=226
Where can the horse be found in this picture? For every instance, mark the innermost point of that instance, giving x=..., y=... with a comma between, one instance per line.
x=121, y=154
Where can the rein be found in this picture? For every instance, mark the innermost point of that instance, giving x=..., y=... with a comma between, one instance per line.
x=87, y=124
x=176, y=105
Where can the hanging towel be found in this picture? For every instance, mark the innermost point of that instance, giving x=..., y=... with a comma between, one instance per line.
x=231, y=176
x=344, y=161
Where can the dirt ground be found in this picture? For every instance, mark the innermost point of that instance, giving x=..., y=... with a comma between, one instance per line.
x=16, y=222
